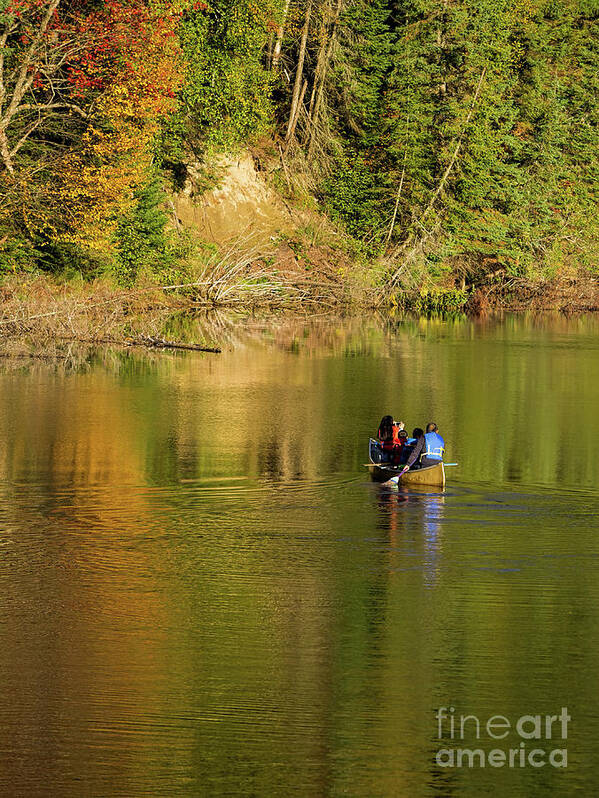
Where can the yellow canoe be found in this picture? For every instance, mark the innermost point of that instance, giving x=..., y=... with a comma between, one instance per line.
x=430, y=475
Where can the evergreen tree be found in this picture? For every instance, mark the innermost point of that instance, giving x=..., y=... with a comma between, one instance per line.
x=558, y=130
x=140, y=235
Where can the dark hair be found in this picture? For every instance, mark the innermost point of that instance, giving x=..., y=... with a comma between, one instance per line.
x=385, y=432
x=402, y=434
x=431, y=427
x=417, y=433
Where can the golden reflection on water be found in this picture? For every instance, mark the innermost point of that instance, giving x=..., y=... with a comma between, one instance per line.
x=204, y=595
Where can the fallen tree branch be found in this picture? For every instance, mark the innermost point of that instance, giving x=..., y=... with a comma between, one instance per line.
x=161, y=343
x=147, y=341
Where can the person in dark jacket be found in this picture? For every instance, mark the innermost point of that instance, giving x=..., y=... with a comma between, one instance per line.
x=415, y=447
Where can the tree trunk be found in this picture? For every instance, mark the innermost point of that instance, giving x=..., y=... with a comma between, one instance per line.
x=320, y=60
x=401, y=182
x=276, y=55
x=324, y=59
x=297, y=87
x=441, y=44
x=269, y=51
x=5, y=153
x=293, y=122
x=396, y=209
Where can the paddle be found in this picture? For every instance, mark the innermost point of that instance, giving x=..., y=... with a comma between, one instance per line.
x=389, y=467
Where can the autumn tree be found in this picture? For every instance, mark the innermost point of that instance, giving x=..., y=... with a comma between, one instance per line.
x=83, y=87
x=34, y=87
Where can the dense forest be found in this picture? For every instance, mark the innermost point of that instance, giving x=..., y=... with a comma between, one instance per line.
x=452, y=138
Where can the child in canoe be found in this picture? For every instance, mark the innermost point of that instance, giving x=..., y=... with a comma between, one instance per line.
x=392, y=436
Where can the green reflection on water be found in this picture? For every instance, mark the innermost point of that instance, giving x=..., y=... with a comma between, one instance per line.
x=204, y=595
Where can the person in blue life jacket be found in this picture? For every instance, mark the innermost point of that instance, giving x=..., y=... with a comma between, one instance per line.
x=434, y=446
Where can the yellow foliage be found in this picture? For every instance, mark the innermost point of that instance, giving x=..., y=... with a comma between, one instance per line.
x=95, y=183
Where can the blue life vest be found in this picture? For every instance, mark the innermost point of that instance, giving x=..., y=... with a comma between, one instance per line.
x=435, y=446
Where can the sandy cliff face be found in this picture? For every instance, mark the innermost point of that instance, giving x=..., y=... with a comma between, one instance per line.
x=241, y=206
x=244, y=212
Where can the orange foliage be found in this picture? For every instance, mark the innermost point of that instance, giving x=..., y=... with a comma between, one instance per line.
x=128, y=73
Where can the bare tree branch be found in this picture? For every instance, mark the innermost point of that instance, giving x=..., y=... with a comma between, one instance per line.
x=33, y=126
x=32, y=86
x=50, y=106
x=26, y=75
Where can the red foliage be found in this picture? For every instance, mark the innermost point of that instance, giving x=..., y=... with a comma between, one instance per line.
x=119, y=42
x=123, y=43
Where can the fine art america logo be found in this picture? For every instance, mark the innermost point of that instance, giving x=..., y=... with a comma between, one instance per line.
x=534, y=740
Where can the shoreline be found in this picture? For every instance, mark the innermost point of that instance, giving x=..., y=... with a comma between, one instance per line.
x=43, y=309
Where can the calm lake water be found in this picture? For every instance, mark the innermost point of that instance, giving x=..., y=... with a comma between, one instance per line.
x=203, y=594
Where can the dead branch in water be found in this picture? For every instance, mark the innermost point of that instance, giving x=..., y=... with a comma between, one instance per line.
x=160, y=343
x=146, y=341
